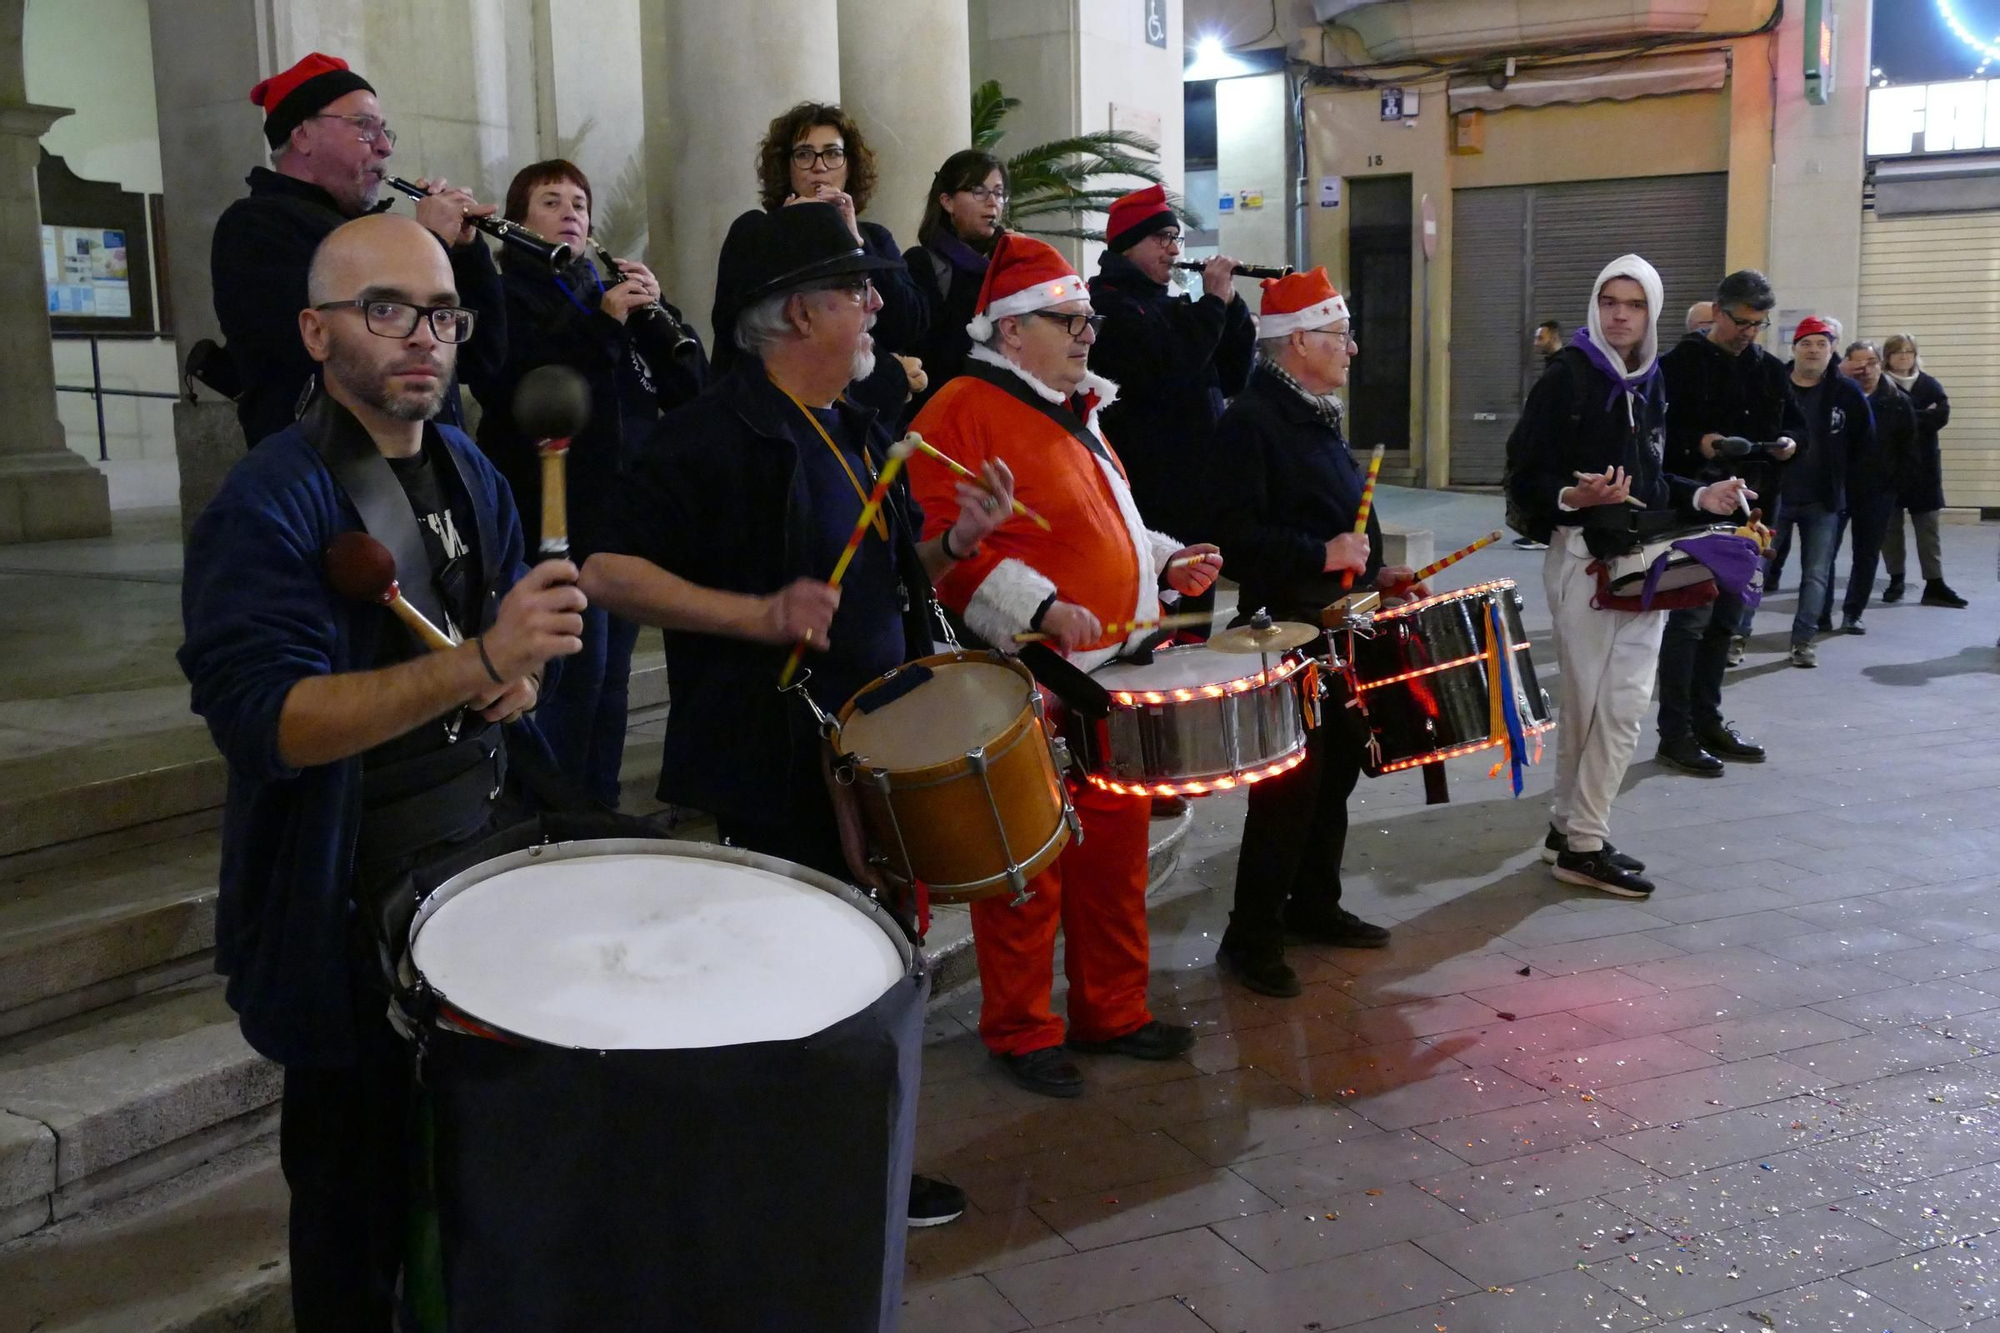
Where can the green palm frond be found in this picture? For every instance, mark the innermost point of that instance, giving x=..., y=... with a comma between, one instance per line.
x=1060, y=181
x=570, y=146
x=989, y=107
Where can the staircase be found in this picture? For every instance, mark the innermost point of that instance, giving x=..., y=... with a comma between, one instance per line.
x=139, y=1185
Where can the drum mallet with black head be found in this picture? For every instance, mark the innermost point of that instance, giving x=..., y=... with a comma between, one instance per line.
x=551, y=407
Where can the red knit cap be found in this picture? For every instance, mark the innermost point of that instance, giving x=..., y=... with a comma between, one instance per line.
x=299, y=92
x=1810, y=325
x=1137, y=216
x=1299, y=301
x=1024, y=275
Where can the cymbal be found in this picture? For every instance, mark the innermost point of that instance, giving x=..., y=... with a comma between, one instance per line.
x=1281, y=636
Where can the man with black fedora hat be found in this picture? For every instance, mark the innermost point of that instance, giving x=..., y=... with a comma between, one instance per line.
x=727, y=530
x=330, y=149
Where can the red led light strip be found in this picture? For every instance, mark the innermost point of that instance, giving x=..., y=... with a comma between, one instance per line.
x=1439, y=756
x=1455, y=595
x=1201, y=788
x=1433, y=668
x=1241, y=685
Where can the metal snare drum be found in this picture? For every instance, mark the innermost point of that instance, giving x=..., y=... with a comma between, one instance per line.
x=1194, y=721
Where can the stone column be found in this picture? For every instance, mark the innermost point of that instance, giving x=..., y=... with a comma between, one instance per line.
x=715, y=75
x=907, y=74
x=46, y=491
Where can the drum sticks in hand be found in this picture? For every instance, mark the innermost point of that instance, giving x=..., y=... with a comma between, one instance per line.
x=1446, y=562
x=1367, y=503
x=973, y=477
x=898, y=454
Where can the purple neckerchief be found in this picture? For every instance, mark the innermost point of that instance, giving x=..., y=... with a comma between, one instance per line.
x=1622, y=380
x=957, y=253
x=1732, y=559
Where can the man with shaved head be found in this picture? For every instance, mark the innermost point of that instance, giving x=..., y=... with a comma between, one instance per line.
x=355, y=754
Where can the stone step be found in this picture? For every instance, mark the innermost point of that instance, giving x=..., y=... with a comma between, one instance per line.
x=101, y=1105
x=87, y=791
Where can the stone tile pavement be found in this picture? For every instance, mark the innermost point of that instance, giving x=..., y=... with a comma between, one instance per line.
x=1766, y=1099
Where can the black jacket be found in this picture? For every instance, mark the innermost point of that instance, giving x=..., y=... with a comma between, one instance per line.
x=1291, y=486
x=1710, y=391
x=633, y=373
x=1175, y=362
x=1922, y=489
x=951, y=297
x=1882, y=472
x=721, y=499
x=900, y=327
x=1572, y=423
x=1844, y=433
x=257, y=262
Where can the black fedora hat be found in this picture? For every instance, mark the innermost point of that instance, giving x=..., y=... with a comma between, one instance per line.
x=787, y=248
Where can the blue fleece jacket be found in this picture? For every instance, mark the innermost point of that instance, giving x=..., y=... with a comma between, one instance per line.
x=259, y=617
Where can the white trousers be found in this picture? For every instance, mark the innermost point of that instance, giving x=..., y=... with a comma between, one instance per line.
x=1608, y=661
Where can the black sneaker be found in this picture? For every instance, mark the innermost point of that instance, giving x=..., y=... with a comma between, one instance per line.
x=1338, y=929
x=1154, y=1041
x=1894, y=592
x=1852, y=625
x=1045, y=1071
x=1556, y=844
x=1825, y=624
x=1262, y=970
x=1684, y=754
x=1726, y=742
x=1529, y=544
x=1596, y=870
x=934, y=1202
x=1938, y=593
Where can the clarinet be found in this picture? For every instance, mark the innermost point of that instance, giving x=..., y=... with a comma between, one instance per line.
x=557, y=256
x=684, y=340
x=1241, y=270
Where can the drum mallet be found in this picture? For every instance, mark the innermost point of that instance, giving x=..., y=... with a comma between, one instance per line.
x=360, y=567
x=551, y=407
x=1124, y=629
x=898, y=453
x=1446, y=562
x=973, y=477
x=1367, y=503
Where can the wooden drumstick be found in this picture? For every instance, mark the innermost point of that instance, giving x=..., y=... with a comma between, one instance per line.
x=555, y=502
x=360, y=567
x=1178, y=620
x=1367, y=504
x=1448, y=561
x=898, y=452
x=551, y=406
x=971, y=476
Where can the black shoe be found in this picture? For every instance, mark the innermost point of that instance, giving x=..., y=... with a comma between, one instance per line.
x=1154, y=1041
x=1596, y=870
x=1726, y=742
x=1045, y=1071
x=1894, y=592
x=1556, y=844
x=1684, y=753
x=1738, y=646
x=934, y=1203
x=1169, y=807
x=1529, y=544
x=1852, y=625
x=1262, y=970
x=1338, y=929
x=1825, y=624
x=1938, y=593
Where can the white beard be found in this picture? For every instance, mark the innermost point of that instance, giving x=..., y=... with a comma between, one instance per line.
x=864, y=365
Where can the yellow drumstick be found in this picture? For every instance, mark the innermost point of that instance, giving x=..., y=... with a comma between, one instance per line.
x=901, y=450
x=971, y=476
x=1177, y=621
x=1367, y=504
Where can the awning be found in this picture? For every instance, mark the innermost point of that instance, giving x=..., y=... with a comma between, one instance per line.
x=1595, y=81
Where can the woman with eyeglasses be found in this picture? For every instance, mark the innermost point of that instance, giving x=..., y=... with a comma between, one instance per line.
x=1920, y=481
x=955, y=240
x=815, y=153
x=640, y=359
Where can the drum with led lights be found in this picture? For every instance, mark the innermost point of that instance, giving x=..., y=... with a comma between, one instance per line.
x=1422, y=673
x=1192, y=721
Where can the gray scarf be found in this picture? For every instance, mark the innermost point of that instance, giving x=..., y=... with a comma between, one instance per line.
x=1325, y=404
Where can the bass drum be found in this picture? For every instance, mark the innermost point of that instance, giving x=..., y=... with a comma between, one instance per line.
x=673, y=1086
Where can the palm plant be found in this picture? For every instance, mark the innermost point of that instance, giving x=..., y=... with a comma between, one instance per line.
x=1055, y=184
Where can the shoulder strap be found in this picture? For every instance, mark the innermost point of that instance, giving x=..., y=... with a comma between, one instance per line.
x=1012, y=385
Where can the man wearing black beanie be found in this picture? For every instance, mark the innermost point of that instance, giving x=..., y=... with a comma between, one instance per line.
x=330, y=148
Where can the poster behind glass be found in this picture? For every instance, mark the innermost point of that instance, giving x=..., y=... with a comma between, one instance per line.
x=87, y=272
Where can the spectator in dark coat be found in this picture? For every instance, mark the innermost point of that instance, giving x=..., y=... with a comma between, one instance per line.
x=330, y=149
x=639, y=361
x=1871, y=483
x=1175, y=362
x=948, y=262
x=1920, y=481
x=815, y=151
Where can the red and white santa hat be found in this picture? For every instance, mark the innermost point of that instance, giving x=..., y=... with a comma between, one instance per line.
x=1023, y=276
x=1299, y=301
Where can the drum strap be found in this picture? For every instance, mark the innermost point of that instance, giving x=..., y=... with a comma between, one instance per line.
x=1012, y=386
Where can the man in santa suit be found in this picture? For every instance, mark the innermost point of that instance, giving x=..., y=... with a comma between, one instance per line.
x=1027, y=397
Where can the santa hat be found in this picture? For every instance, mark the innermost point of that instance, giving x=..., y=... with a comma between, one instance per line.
x=291, y=98
x=1136, y=216
x=1813, y=324
x=1023, y=276
x=1299, y=301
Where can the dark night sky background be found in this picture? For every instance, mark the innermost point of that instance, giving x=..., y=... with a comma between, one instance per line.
x=1913, y=45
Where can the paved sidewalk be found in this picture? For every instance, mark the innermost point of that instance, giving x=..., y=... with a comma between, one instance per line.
x=1761, y=1100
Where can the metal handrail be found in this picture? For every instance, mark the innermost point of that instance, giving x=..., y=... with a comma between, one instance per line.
x=98, y=393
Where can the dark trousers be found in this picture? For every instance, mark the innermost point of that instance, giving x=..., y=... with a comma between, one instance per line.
x=1293, y=835
x=584, y=716
x=344, y=1145
x=1694, y=656
x=1870, y=519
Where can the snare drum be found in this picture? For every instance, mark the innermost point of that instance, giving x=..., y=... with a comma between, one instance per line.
x=1419, y=671
x=1194, y=721
x=955, y=775
x=673, y=1086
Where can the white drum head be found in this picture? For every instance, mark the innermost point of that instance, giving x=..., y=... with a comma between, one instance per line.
x=648, y=951
x=962, y=706
x=1186, y=667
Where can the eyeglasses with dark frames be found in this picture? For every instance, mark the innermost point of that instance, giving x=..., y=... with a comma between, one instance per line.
x=398, y=319
x=367, y=128
x=1074, y=324
x=984, y=194
x=805, y=156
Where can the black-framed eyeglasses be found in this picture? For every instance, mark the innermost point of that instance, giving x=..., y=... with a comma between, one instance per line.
x=366, y=128
x=1075, y=324
x=398, y=319
x=1754, y=325
x=804, y=156
x=853, y=284
x=1167, y=238
x=985, y=194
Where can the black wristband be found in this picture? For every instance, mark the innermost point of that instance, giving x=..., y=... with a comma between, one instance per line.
x=1035, y=622
x=944, y=541
x=487, y=662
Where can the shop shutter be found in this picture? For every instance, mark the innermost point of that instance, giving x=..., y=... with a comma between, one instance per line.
x=1937, y=277
x=1567, y=234
x=1489, y=328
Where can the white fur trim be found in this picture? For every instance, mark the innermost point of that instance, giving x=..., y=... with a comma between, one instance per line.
x=1106, y=391
x=1006, y=601
x=1041, y=296
x=1313, y=317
